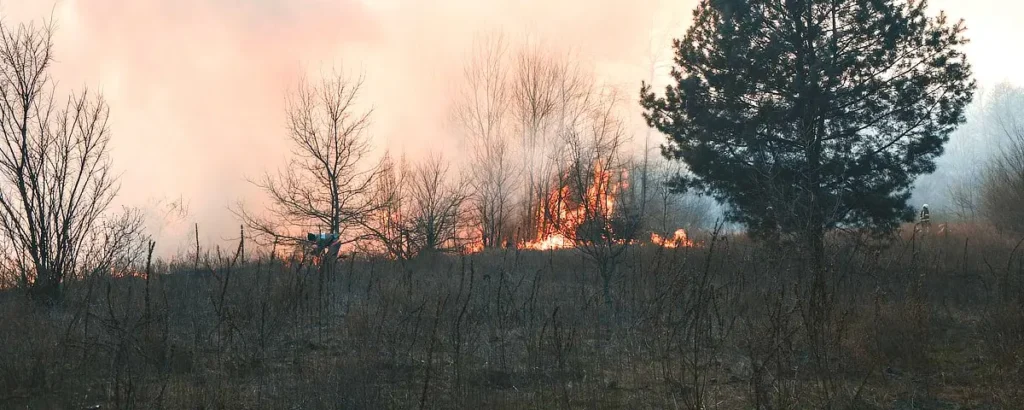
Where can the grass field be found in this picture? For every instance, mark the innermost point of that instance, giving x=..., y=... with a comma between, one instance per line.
x=933, y=321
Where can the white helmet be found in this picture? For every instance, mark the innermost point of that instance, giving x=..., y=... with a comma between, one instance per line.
x=925, y=205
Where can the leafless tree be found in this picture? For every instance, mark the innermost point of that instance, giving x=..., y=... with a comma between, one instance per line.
x=482, y=113
x=667, y=210
x=326, y=185
x=588, y=205
x=389, y=225
x=437, y=211
x=419, y=210
x=1002, y=190
x=964, y=196
x=117, y=245
x=659, y=64
x=547, y=90
x=992, y=134
x=55, y=173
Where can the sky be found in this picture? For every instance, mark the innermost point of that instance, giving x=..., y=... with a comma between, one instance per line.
x=196, y=88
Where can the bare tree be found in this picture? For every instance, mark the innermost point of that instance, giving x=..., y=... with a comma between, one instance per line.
x=326, y=185
x=482, y=113
x=964, y=196
x=437, y=208
x=667, y=210
x=118, y=244
x=419, y=210
x=992, y=132
x=546, y=91
x=659, y=64
x=55, y=176
x=1002, y=189
x=389, y=225
x=588, y=206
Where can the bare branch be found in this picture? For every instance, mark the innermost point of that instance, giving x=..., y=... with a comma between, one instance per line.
x=326, y=184
x=55, y=176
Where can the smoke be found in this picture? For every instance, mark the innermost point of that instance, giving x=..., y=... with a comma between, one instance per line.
x=196, y=88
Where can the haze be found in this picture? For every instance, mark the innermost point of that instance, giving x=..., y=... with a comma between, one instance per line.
x=196, y=88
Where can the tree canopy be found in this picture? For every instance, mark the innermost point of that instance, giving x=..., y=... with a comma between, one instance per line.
x=805, y=115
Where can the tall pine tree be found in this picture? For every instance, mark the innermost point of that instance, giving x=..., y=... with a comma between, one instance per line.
x=805, y=115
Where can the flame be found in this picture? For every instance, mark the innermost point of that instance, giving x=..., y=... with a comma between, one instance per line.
x=553, y=241
x=679, y=239
x=126, y=273
x=559, y=215
x=473, y=247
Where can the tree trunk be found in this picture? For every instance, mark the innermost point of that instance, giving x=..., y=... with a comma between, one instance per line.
x=46, y=288
x=816, y=251
x=605, y=269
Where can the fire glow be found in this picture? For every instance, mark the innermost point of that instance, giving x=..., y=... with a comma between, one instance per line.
x=561, y=214
x=474, y=247
x=678, y=240
x=558, y=217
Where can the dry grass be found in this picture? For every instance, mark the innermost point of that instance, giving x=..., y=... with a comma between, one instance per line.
x=934, y=321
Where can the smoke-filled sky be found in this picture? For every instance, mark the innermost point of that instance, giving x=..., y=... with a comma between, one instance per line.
x=196, y=88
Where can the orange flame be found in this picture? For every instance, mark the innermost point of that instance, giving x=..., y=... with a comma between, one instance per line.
x=126, y=273
x=552, y=241
x=679, y=239
x=473, y=247
x=559, y=215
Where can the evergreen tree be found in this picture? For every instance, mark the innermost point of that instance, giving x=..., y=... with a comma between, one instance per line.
x=805, y=115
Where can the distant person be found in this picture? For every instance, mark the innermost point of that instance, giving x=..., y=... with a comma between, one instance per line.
x=925, y=217
x=322, y=241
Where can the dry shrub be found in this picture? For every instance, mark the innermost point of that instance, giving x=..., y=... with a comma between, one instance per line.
x=1002, y=189
x=900, y=336
x=30, y=350
x=691, y=327
x=1003, y=331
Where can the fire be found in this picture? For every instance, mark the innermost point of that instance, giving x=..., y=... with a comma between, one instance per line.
x=679, y=239
x=559, y=215
x=126, y=273
x=553, y=241
x=473, y=247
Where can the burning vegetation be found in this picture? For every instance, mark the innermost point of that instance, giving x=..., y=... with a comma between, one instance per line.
x=585, y=211
x=583, y=206
x=678, y=240
x=558, y=178
x=587, y=205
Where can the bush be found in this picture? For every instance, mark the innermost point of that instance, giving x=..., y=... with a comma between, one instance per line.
x=729, y=324
x=1002, y=191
